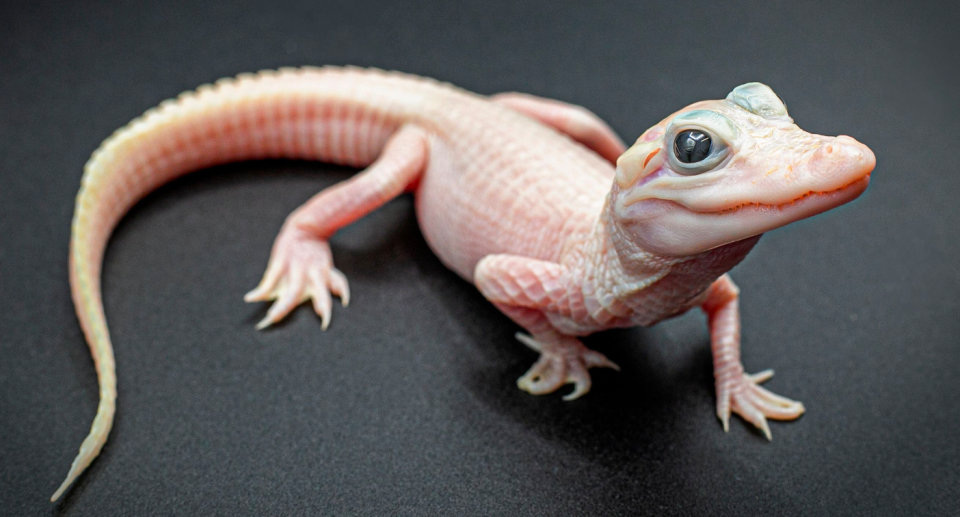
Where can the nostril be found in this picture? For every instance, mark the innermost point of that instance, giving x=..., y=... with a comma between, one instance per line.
x=844, y=155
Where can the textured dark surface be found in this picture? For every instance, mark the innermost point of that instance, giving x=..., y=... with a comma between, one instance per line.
x=407, y=405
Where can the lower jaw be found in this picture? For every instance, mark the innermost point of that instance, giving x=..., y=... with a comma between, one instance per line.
x=670, y=229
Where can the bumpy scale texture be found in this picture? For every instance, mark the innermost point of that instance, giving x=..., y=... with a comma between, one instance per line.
x=516, y=194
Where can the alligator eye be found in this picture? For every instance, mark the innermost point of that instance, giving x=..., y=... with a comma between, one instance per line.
x=692, y=146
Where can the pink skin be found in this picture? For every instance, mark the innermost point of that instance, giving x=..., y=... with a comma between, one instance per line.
x=513, y=193
x=673, y=214
x=526, y=290
x=736, y=390
x=575, y=121
x=775, y=174
x=301, y=266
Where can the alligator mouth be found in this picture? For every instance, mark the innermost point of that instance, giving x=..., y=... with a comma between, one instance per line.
x=825, y=200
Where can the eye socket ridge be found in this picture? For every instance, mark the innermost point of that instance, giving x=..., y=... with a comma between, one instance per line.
x=696, y=149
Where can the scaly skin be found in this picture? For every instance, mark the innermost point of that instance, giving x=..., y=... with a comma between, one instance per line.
x=548, y=230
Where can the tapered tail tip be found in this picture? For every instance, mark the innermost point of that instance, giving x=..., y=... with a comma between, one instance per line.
x=80, y=464
x=92, y=444
x=63, y=487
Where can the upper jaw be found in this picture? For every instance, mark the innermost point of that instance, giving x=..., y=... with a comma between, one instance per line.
x=833, y=174
x=835, y=169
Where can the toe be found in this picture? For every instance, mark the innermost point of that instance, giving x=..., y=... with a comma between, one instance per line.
x=771, y=405
x=580, y=377
x=321, y=297
x=533, y=375
x=773, y=397
x=723, y=406
x=339, y=286
x=580, y=389
x=322, y=306
x=527, y=340
x=746, y=408
x=594, y=359
x=266, y=289
x=761, y=377
x=546, y=376
x=291, y=295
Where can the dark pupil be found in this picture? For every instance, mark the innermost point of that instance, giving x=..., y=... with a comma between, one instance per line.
x=692, y=146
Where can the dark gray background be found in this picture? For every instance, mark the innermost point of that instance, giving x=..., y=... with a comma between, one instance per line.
x=407, y=405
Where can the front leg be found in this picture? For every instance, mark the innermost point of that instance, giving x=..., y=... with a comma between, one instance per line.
x=737, y=391
x=525, y=290
x=575, y=121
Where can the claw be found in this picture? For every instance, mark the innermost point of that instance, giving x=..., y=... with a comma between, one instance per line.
x=531, y=343
x=321, y=297
x=581, y=383
x=754, y=403
x=561, y=363
x=279, y=310
x=761, y=377
x=580, y=389
x=268, y=283
x=723, y=407
x=264, y=323
x=322, y=306
x=751, y=414
x=300, y=269
x=594, y=359
x=289, y=297
x=765, y=427
x=339, y=286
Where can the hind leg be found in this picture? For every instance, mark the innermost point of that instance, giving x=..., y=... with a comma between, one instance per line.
x=301, y=265
x=575, y=121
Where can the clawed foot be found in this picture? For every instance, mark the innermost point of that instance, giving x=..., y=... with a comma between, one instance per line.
x=301, y=268
x=563, y=362
x=745, y=397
